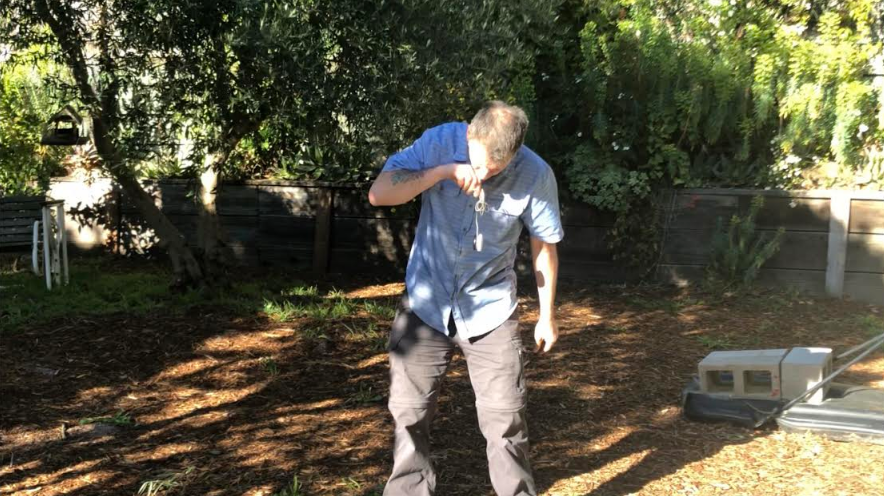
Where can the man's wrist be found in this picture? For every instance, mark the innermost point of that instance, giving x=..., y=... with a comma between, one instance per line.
x=442, y=172
x=549, y=315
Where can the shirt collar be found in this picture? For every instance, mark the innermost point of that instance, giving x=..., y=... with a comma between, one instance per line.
x=461, y=149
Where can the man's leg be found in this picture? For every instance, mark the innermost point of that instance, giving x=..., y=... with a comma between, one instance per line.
x=496, y=372
x=419, y=357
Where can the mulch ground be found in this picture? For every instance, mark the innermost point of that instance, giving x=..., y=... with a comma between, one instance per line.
x=234, y=405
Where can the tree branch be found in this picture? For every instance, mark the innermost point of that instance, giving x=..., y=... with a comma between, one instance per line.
x=71, y=46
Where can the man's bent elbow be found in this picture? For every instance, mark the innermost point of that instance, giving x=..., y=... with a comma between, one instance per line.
x=373, y=198
x=376, y=196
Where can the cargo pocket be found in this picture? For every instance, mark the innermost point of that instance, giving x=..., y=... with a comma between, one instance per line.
x=400, y=324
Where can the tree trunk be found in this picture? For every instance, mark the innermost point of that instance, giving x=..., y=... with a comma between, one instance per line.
x=103, y=110
x=217, y=255
x=211, y=238
x=187, y=269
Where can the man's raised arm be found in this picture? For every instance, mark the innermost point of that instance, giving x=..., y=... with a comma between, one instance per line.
x=396, y=187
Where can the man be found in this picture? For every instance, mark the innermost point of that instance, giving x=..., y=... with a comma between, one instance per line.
x=461, y=287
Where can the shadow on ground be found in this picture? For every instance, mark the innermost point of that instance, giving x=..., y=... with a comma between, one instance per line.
x=231, y=404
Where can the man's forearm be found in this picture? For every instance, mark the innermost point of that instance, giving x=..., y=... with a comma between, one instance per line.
x=546, y=272
x=400, y=186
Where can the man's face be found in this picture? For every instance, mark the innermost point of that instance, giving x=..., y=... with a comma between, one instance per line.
x=485, y=168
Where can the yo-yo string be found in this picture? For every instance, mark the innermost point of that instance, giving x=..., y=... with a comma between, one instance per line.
x=479, y=210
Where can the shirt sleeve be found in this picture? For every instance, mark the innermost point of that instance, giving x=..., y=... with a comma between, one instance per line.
x=542, y=217
x=412, y=158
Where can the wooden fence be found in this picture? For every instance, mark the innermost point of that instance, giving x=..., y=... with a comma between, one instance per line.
x=834, y=241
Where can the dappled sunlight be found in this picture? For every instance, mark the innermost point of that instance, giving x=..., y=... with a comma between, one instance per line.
x=237, y=341
x=76, y=477
x=168, y=450
x=248, y=403
x=193, y=400
x=580, y=483
x=392, y=289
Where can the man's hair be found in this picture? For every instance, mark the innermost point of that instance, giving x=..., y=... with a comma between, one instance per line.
x=501, y=128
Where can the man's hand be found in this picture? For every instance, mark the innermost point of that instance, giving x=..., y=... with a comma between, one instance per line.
x=546, y=333
x=465, y=177
x=546, y=270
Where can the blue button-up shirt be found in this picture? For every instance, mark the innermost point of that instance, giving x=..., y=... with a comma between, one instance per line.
x=446, y=276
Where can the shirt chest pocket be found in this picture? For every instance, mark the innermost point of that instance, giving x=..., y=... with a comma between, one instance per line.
x=502, y=214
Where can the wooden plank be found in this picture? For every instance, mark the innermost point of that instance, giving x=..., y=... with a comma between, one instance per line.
x=176, y=199
x=867, y=287
x=14, y=230
x=798, y=250
x=289, y=256
x=23, y=207
x=15, y=239
x=837, y=244
x=284, y=230
x=16, y=222
x=867, y=216
x=698, y=211
x=702, y=211
x=585, y=244
x=151, y=188
x=575, y=213
x=285, y=200
x=322, y=233
x=809, y=281
x=354, y=203
x=22, y=214
x=794, y=214
x=360, y=244
x=600, y=272
x=244, y=253
x=238, y=200
x=6, y=200
x=241, y=230
x=865, y=253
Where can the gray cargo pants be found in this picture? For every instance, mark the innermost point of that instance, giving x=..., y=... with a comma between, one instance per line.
x=419, y=357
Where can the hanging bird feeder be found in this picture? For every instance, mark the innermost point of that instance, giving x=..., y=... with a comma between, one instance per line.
x=65, y=128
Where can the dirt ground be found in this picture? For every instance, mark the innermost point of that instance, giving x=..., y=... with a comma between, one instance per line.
x=239, y=405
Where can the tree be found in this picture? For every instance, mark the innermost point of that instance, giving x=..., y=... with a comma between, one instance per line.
x=337, y=82
x=85, y=38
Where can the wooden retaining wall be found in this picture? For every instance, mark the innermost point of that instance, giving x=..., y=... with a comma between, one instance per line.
x=834, y=241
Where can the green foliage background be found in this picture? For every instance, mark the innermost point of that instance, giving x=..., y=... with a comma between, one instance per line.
x=26, y=104
x=626, y=97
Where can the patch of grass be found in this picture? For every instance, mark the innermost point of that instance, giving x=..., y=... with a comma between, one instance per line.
x=293, y=489
x=716, y=342
x=121, y=418
x=871, y=325
x=351, y=483
x=301, y=290
x=282, y=311
x=377, y=341
x=270, y=366
x=379, y=310
x=100, y=287
x=336, y=294
x=670, y=306
x=767, y=327
x=92, y=290
x=285, y=311
x=365, y=395
x=341, y=309
x=165, y=481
